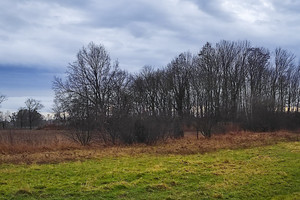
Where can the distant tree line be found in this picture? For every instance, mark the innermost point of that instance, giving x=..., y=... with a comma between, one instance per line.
x=25, y=117
x=226, y=82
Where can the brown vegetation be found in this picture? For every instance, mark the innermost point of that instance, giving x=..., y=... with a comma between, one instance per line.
x=52, y=146
x=30, y=141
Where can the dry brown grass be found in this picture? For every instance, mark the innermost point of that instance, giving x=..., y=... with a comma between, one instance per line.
x=28, y=141
x=53, y=146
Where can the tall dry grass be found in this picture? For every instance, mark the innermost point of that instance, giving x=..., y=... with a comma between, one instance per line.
x=26, y=141
x=47, y=146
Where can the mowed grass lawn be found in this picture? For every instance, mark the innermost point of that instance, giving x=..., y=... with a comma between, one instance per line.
x=267, y=172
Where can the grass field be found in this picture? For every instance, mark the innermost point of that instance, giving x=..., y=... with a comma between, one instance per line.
x=264, y=171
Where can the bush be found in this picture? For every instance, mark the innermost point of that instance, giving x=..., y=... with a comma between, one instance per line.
x=142, y=129
x=119, y=129
x=149, y=130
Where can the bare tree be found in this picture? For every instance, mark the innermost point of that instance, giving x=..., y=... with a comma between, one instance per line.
x=179, y=76
x=205, y=84
x=283, y=62
x=87, y=94
x=2, y=98
x=32, y=106
x=258, y=63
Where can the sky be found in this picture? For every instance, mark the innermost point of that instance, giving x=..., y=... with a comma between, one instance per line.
x=38, y=38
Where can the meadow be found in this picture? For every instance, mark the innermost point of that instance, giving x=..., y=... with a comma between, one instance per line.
x=237, y=165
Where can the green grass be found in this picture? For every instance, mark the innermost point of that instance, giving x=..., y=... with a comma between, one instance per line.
x=270, y=172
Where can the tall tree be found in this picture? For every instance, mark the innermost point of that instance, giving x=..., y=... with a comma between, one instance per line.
x=87, y=94
x=179, y=76
x=284, y=62
x=257, y=75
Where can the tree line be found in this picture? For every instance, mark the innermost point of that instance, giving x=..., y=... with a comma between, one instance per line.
x=25, y=117
x=230, y=81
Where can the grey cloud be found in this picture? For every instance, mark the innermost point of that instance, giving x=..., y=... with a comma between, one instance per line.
x=57, y=29
x=10, y=21
x=134, y=16
x=288, y=6
x=213, y=8
x=288, y=12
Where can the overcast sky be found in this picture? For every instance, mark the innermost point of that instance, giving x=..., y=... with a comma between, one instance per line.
x=38, y=38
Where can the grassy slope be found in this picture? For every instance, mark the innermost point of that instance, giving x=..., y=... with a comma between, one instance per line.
x=257, y=173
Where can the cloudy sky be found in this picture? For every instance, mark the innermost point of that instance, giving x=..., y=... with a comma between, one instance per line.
x=38, y=38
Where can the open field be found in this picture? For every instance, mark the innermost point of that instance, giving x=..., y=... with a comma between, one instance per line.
x=237, y=165
x=267, y=172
